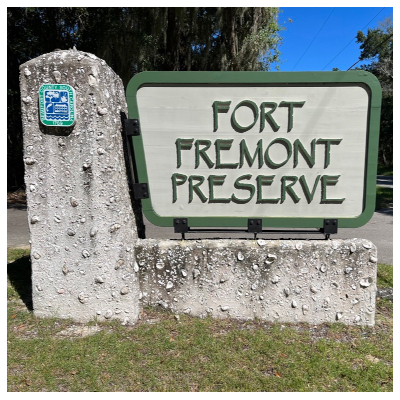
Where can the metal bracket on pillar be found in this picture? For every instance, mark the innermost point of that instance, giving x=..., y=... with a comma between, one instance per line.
x=132, y=127
x=330, y=227
x=254, y=225
x=140, y=191
x=181, y=226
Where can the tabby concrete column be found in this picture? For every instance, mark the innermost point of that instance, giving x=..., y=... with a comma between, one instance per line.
x=81, y=222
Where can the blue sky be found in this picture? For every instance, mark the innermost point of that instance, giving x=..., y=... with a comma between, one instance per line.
x=317, y=35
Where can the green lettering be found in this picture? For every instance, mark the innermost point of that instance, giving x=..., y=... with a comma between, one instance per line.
x=195, y=188
x=288, y=188
x=263, y=180
x=327, y=143
x=306, y=190
x=223, y=144
x=329, y=180
x=243, y=186
x=267, y=116
x=202, y=152
x=291, y=105
x=182, y=144
x=298, y=147
x=177, y=180
x=283, y=142
x=219, y=106
x=244, y=152
x=216, y=180
x=253, y=107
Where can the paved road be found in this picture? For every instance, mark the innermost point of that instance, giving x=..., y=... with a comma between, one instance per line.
x=384, y=181
x=17, y=227
x=379, y=230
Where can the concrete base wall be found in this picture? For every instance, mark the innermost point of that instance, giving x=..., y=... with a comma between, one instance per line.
x=313, y=281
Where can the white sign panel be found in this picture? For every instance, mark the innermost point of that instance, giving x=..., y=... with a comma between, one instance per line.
x=306, y=157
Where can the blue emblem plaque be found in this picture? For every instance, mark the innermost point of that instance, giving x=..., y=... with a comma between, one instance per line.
x=57, y=105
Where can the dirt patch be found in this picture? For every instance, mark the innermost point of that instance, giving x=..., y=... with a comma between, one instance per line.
x=78, y=331
x=17, y=197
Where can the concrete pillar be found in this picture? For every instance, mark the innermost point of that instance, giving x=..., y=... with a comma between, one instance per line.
x=81, y=221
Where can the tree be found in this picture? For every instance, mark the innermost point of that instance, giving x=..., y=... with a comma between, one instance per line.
x=377, y=47
x=134, y=39
x=30, y=33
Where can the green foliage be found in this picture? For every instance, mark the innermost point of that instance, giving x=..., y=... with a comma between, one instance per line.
x=135, y=39
x=377, y=47
x=376, y=44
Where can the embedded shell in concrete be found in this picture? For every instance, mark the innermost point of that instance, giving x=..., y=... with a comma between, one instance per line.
x=327, y=281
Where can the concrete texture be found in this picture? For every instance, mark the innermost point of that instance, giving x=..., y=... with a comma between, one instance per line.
x=274, y=280
x=80, y=217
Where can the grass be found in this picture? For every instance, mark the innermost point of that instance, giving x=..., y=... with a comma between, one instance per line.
x=16, y=254
x=385, y=280
x=385, y=170
x=161, y=353
x=384, y=197
x=385, y=276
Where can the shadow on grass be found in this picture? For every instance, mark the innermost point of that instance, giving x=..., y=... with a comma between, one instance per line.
x=384, y=200
x=19, y=273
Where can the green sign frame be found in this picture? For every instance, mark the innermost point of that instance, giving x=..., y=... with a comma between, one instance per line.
x=57, y=105
x=355, y=78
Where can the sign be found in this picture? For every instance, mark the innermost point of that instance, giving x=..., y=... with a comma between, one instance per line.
x=57, y=105
x=292, y=149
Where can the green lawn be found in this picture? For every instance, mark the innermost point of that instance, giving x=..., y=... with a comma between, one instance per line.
x=385, y=276
x=384, y=197
x=162, y=353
